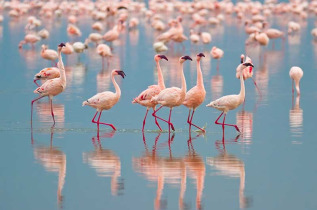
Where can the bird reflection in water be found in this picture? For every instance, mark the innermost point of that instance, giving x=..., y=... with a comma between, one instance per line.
x=230, y=166
x=216, y=86
x=195, y=167
x=244, y=121
x=44, y=112
x=106, y=163
x=155, y=168
x=31, y=57
x=296, y=118
x=53, y=160
x=79, y=73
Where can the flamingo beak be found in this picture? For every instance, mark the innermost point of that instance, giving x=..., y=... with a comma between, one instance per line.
x=163, y=57
x=186, y=57
x=62, y=45
x=201, y=55
x=121, y=73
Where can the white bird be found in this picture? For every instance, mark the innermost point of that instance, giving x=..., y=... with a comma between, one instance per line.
x=231, y=102
x=296, y=73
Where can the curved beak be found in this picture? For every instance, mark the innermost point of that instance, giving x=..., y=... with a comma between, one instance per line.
x=121, y=73
x=62, y=45
x=186, y=57
x=248, y=64
x=201, y=55
x=163, y=57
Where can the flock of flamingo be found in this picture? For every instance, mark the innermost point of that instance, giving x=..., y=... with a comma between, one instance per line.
x=125, y=15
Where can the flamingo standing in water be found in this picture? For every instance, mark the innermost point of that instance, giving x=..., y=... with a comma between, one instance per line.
x=216, y=53
x=195, y=96
x=296, y=73
x=231, y=102
x=145, y=97
x=52, y=87
x=172, y=97
x=49, y=54
x=105, y=100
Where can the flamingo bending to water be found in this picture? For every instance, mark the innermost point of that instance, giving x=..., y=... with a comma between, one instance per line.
x=52, y=87
x=195, y=96
x=172, y=97
x=296, y=73
x=145, y=97
x=105, y=100
x=47, y=73
x=230, y=102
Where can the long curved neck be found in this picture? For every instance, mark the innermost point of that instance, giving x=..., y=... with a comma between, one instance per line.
x=116, y=86
x=200, y=81
x=160, y=79
x=61, y=67
x=184, y=88
x=242, y=89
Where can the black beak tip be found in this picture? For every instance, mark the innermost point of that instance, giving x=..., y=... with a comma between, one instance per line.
x=121, y=73
x=186, y=57
x=201, y=55
x=62, y=45
x=163, y=57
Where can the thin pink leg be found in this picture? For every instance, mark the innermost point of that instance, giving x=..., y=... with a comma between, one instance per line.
x=147, y=110
x=188, y=121
x=216, y=122
x=256, y=87
x=32, y=106
x=169, y=123
x=158, y=125
x=191, y=119
x=292, y=86
x=52, y=113
x=98, y=122
x=36, y=83
x=93, y=119
x=223, y=123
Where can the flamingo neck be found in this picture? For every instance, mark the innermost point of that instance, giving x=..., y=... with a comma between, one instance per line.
x=242, y=89
x=116, y=86
x=297, y=86
x=61, y=67
x=160, y=76
x=200, y=81
x=184, y=88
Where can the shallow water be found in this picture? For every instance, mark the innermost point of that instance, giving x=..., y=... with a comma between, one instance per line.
x=269, y=166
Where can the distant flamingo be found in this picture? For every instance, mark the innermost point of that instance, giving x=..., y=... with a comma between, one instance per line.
x=216, y=53
x=31, y=39
x=73, y=30
x=114, y=33
x=105, y=100
x=230, y=102
x=296, y=73
x=104, y=51
x=47, y=73
x=195, y=96
x=145, y=97
x=172, y=97
x=68, y=49
x=52, y=87
x=49, y=54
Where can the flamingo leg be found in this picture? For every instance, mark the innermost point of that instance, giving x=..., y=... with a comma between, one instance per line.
x=98, y=122
x=292, y=86
x=32, y=106
x=169, y=123
x=193, y=123
x=158, y=125
x=36, y=83
x=147, y=110
x=223, y=123
x=52, y=113
x=188, y=120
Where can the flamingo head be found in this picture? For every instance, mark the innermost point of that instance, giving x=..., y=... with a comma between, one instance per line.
x=199, y=56
x=159, y=57
x=248, y=64
x=119, y=72
x=184, y=58
x=62, y=45
x=242, y=58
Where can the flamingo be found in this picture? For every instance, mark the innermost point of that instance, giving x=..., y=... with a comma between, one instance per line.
x=29, y=38
x=231, y=102
x=172, y=97
x=296, y=73
x=247, y=72
x=46, y=73
x=73, y=30
x=145, y=97
x=105, y=100
x=114, y=33
x=195, y=96
x=216, y=53
x=68, y=49
x=49, y=54
x=54, y=86
x=104, y=51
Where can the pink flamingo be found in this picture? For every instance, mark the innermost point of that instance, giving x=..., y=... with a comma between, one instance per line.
x=296, y=73
x=47, y=73
x=29, y=38
x=68, y=49
x=104, y=51
x=49, y=54
x=195, y=96
x=230, y=102
x=105, y=100
x=216, y=53
x=145, y=97
x=54, y=86
x=172, y=97
x=247, y=72
x=114, y=33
